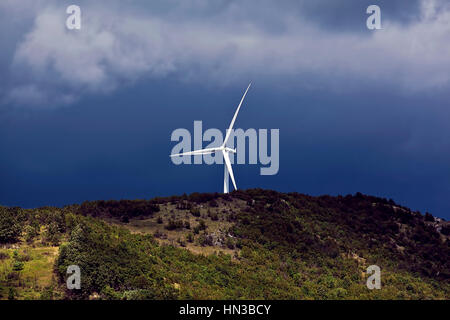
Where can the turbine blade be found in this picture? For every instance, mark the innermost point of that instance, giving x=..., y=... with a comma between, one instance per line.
x=196, y=152
x=228, y=133
x=230, y=169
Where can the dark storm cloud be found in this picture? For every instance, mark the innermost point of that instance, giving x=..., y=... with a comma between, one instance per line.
x=345, y=15
x=334, y=15
x=221, y=42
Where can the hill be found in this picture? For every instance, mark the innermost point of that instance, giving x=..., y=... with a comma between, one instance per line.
x=253, y=244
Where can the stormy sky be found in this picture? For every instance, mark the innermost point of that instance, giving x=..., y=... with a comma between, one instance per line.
x=88, y=114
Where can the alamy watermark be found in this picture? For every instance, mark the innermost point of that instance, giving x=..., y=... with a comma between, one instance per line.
x=373, y=22
x=258, y=141
x=73, y=21
x=374, y=280
x=74, y=280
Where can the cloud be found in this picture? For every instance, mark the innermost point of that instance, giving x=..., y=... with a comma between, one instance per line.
x=34, y=96
x=95, y=59
x=220, y=43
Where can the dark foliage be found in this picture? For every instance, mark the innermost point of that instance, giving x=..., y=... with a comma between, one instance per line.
x=11, y=224
x=287, y=246
x=174, y=224
x=307, y=226
x=122, y=209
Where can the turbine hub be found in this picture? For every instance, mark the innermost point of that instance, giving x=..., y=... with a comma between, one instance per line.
x=230, y=150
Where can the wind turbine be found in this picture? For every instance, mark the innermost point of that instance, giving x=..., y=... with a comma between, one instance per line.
x=228, y=170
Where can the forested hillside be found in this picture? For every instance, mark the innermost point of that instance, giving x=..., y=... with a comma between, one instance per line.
x=254, y=244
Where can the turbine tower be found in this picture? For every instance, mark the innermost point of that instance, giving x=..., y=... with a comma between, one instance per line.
x=228, y=170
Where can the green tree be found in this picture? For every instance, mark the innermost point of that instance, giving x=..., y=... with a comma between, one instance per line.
x=31, y=232
x=52, y=234
x=11, y=222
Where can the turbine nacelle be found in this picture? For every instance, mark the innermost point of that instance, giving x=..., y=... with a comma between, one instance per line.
x=204, y=151
x=230, y=150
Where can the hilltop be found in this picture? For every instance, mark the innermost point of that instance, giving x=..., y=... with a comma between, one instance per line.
x=253, y=244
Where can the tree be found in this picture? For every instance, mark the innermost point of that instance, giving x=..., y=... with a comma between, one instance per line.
x=429, y=217
x=30, y=233
x=11, y=221
x=52, y=234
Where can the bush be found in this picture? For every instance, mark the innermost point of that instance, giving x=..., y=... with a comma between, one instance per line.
x=174, y=224
x=197, y=229
x=195, y=212
x=118, y=209
x=213, y=203
x=4, y=255
x=109, y=293
x=202, y=225
x=181, y=242
x=190, y=237
x=12, y=294
x=205, y=240
x=24, y=257
x=214, y=216
x=230, y=243
x=18, y=266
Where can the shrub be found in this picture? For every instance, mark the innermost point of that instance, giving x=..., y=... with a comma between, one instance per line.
x=174, y=224
x=12, y=294
x=202, y=225
x=118, y=209
x=230, y=243
x=18, y=266
x=196, y=229
x=109, y=293
x=214, y=216
x=213, y=203
x=24, y=257
x=4, y=255
x=181, y=242
x=205, y=240
x=190, y=237
x=195, y=212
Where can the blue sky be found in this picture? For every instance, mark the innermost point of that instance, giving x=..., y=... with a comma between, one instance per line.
x=88, y=114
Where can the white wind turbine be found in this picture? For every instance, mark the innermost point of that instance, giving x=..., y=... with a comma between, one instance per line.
x=228, y=170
